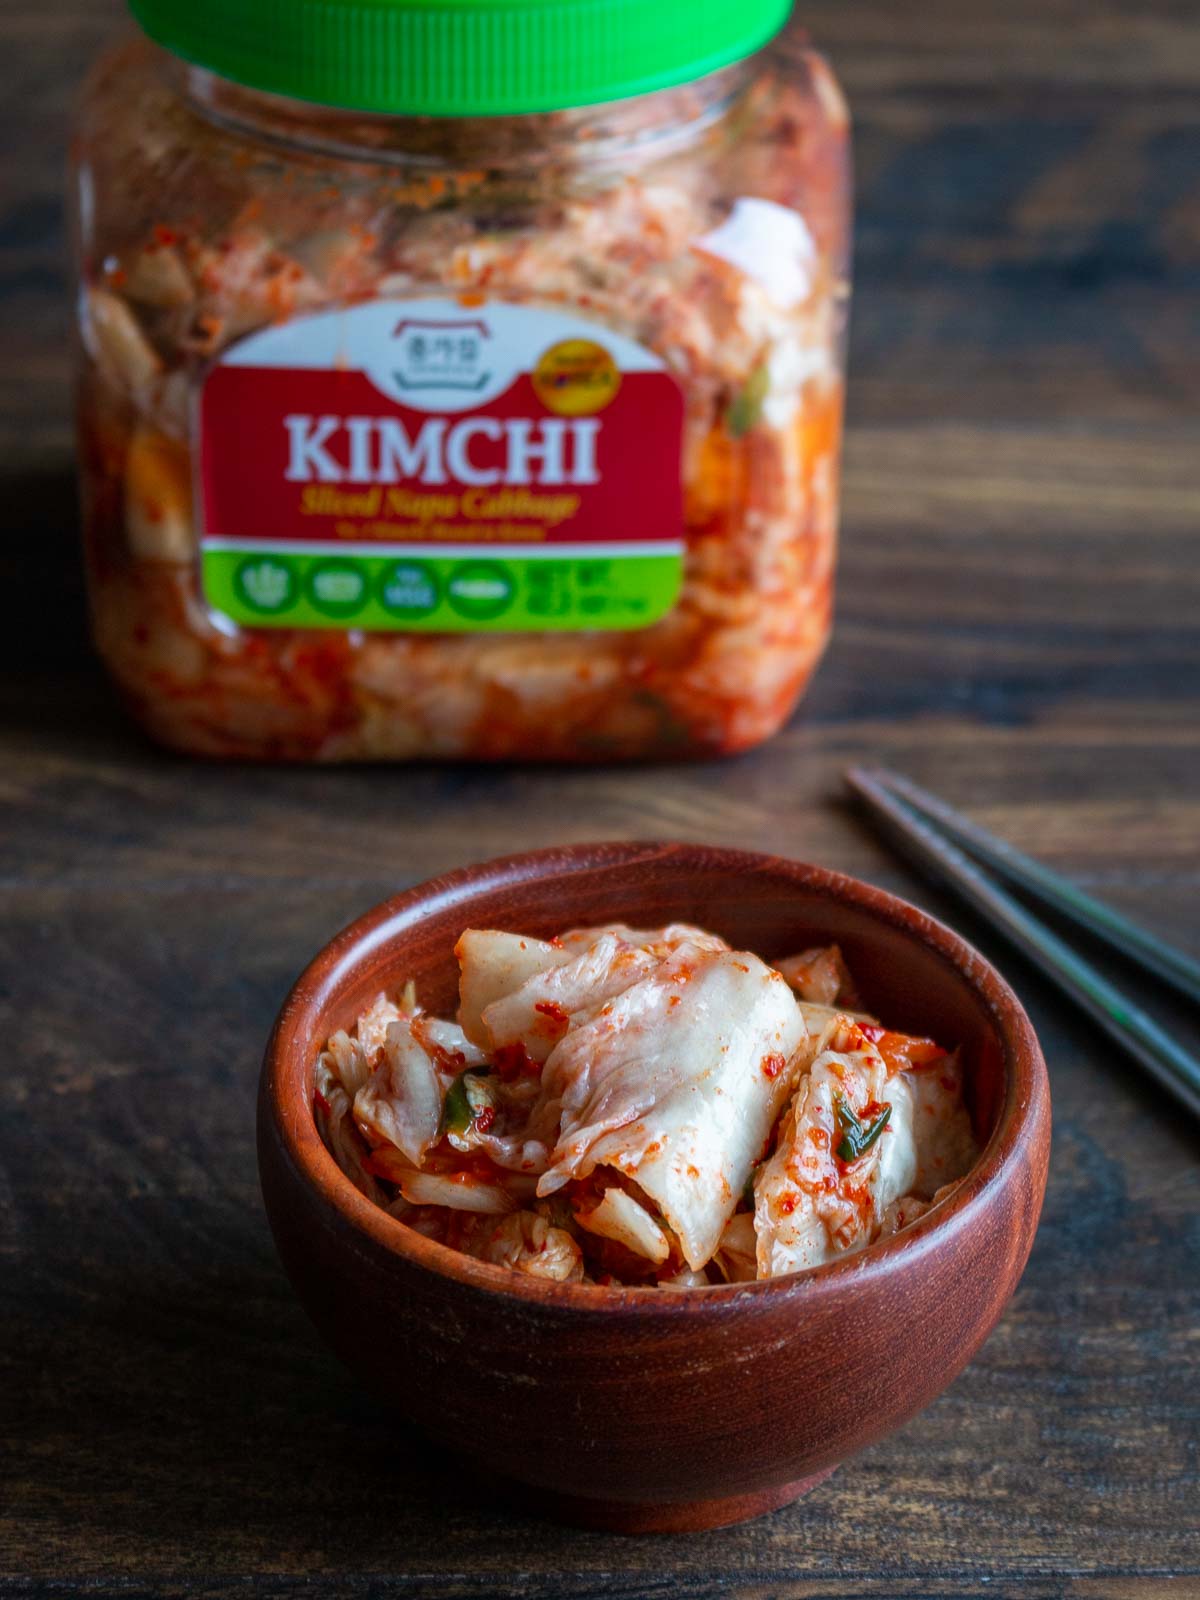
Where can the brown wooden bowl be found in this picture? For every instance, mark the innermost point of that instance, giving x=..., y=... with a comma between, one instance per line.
x=643, y=1409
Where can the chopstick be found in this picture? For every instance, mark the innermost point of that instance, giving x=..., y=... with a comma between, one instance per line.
x=1138, y=1034
x=1051, y=888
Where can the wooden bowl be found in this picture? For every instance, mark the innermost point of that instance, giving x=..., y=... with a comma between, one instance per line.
x=642, y=1409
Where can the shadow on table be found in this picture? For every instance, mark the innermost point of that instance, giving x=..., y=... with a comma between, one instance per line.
x=58, y=685
x=172, y=1413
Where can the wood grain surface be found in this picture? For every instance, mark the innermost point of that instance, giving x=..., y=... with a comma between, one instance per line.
x=1018, y=628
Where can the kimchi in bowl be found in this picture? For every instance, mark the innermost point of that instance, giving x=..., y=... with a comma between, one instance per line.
x=636, y=1408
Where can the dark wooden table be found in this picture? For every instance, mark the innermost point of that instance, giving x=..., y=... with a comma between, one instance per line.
x=1019, y=626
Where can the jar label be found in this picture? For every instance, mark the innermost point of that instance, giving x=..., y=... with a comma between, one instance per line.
x=433, y=465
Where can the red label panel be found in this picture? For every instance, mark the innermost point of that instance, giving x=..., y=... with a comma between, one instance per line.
x=316, y=454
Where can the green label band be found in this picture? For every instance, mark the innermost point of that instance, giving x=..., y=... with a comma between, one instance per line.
x=266, y=588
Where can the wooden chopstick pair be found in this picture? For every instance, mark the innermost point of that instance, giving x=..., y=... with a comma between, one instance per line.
x=942, y=843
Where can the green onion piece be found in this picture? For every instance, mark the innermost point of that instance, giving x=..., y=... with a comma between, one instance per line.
x=465, y=1099
x=747, y=407
x=857, y=1136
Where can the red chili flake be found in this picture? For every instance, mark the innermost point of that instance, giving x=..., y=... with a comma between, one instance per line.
x=452, y=1061
x=772, y=1066
x=485, y=1118
x=164, y=235
x=788, y=1204
x=902, y=1052
x=381, y=1163
x=511, y=1060
x=557, y=1019
x=321, y=1103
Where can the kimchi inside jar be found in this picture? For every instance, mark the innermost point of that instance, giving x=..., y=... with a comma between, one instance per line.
x=413, y=431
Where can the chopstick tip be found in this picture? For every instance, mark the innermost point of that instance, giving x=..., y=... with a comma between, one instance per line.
x=863, y=780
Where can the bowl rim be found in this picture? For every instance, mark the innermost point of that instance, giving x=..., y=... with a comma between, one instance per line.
x=284, y=1103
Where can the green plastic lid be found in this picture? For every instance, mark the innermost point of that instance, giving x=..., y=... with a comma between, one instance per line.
x=461, y=57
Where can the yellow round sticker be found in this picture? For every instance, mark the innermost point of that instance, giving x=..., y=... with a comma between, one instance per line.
x=576, y=377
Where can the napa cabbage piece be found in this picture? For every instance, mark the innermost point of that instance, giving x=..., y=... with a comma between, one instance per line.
x=736, y=1258
x=333, y=1110
x=658, y=941
x=819, y=975
x=401, y=1101
x=540, y=1012
x=809, y=1205
x=497, y=967
x=456, y=1193
x=525, y=1242
x=685, y=1278
x=493, y=964
x=343, y=1068
x=829, y=1028
x=676, y=1083
x=355, y=1056
x=945, y=1140
x=519, y=1133
x=618, y=1216
x=901, y=1213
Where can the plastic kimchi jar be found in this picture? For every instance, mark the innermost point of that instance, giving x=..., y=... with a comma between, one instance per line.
x=462, y=379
